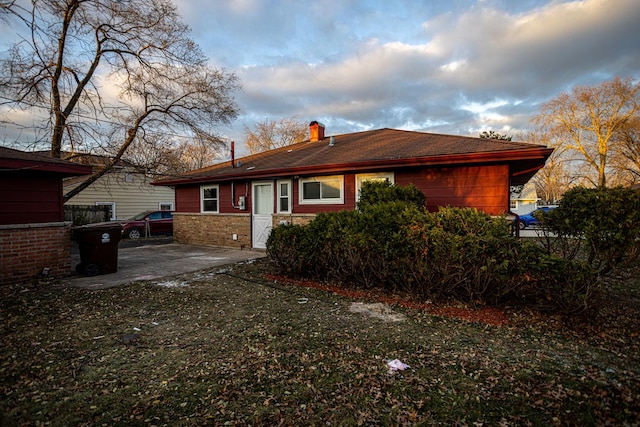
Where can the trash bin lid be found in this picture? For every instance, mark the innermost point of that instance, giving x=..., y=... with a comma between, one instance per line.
x=107, y=226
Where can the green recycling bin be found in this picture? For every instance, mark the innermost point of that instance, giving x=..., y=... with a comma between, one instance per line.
x=98, y=246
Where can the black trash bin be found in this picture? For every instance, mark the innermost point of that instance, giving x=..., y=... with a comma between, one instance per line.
x=98, y=246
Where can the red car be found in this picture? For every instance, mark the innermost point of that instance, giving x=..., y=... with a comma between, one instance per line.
x=148, y=223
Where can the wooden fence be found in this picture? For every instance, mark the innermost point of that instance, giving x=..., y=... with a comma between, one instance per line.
x=86, y=214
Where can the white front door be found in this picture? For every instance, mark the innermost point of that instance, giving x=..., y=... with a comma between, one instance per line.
x=262, y=211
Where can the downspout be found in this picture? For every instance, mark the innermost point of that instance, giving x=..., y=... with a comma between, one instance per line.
x=233, y=154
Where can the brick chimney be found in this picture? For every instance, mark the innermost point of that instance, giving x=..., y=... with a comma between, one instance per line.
x=316, y=131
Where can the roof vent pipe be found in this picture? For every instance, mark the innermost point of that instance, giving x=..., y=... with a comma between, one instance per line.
x=332, y=141
x=233, y=154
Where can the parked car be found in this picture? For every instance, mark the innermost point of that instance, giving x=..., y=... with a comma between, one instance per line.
x=533, y=217
x=158, y=222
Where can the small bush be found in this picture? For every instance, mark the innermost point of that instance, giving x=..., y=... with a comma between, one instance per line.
x=286, y=247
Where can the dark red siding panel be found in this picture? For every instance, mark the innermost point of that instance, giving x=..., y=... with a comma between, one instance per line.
x=224, y=199
x=481, y=187
x=349, y=199
x=188, y=199
x=30, y=198
x=229, y=197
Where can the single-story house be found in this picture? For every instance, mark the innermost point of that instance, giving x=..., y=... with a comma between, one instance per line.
x=34, y=238
x=125, y=190
x=524, y=198
x=237, y=203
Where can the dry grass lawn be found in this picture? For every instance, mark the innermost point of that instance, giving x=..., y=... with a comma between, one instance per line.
x=232, y=347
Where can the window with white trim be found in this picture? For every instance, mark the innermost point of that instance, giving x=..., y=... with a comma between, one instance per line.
x=513, y=204
x=322, y=190
x=284, y=196
x=165, y=206
x=364, y=177
x=112, y=209
x=209, y=199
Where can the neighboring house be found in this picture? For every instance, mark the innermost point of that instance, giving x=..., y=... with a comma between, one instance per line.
x=34, y=239
x=237, y=203
x=125, y=190
x=525, y=200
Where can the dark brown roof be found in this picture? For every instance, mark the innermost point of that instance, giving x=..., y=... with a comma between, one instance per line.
x=370, y=150
x=21, y=160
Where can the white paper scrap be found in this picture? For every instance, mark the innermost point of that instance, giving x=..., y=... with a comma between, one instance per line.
x=396, y=365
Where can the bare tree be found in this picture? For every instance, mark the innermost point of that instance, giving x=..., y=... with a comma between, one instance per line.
x=558, y=174
x=270, y=134
x=78, y=51
x=174, y=156
x=589, y=121
x=627, y=163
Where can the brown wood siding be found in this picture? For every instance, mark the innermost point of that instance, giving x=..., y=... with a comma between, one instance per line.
x=30, y=198
x=483, y=187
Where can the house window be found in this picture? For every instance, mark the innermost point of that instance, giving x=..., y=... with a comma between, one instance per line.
x=210, y=197
x=364, y=177
x=513, y=204
x=112, y=209
x=324, y=189
x=284, y=196
x=165, y=206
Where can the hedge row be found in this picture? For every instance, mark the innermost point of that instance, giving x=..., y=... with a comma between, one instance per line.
x=392, y=242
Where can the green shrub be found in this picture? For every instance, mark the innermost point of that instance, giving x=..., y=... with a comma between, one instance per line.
x=377, y=192
x=286, y=247
x=470, y=221
x=598, y=226
x=564, y=286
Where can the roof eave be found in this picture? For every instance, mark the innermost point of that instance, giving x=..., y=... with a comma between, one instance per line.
x=59, y=168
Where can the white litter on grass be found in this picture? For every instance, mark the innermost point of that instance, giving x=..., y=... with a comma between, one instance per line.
x=377, y=310
x=173, y=284
x=396, y=365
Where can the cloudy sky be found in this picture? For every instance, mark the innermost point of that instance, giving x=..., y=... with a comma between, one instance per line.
x=447, y=66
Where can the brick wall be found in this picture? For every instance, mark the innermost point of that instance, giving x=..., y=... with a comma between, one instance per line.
x=213, y=230
x=300, y=219
x=27, y=249
x=218, y=229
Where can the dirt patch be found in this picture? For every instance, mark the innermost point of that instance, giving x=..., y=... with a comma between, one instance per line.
x=378, y=311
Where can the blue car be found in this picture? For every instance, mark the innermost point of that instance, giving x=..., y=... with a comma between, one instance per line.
x=530, y=219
